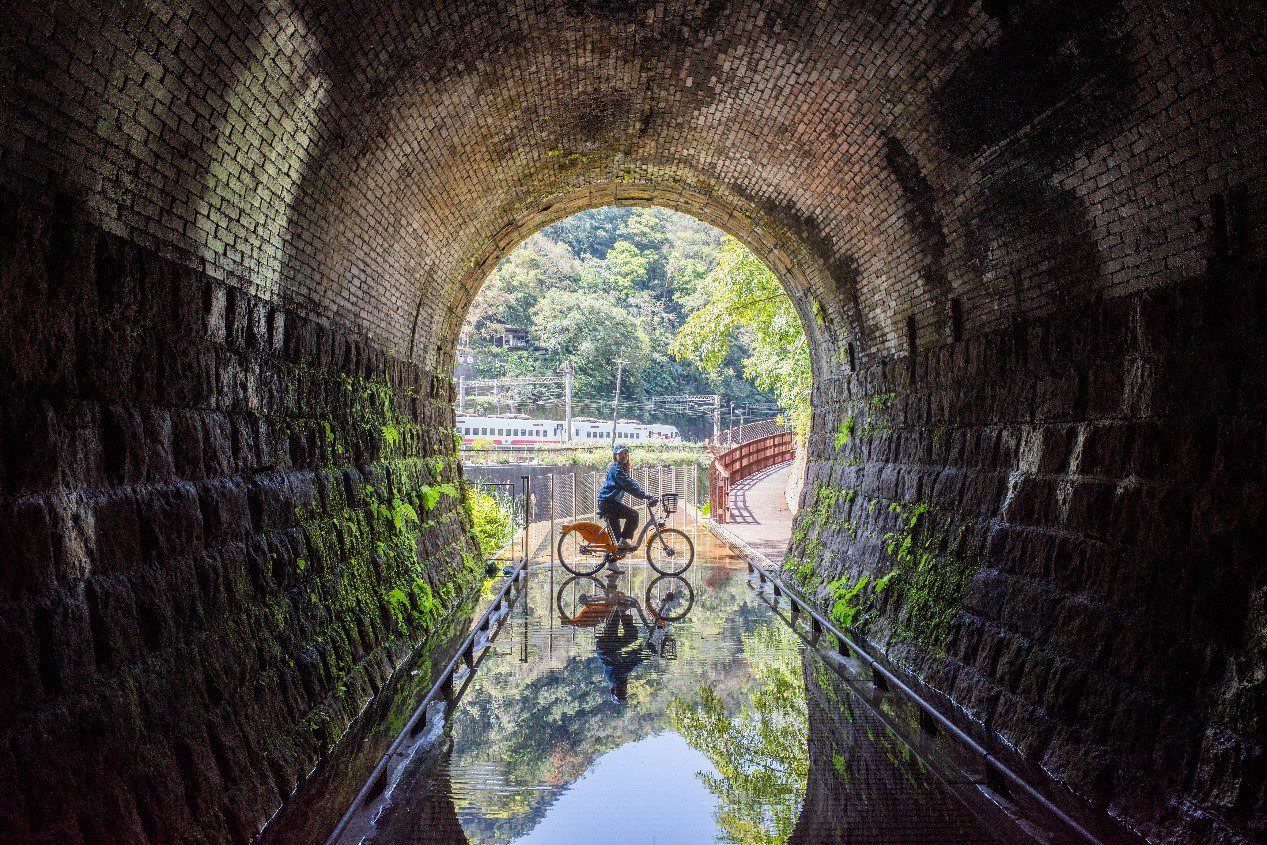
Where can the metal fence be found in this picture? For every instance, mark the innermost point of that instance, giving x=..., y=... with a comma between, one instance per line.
x=568, y=496
x=731, y=466
x=746, y=433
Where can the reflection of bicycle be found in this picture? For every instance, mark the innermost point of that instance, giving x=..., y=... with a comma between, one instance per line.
x=586, y=602
x=586, y=546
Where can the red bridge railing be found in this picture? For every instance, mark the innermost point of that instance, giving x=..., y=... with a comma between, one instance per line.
x=732, y=464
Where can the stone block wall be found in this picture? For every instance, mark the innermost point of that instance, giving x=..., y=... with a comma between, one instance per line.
x=222, y=527
x=196, y=484
x=1061, y=526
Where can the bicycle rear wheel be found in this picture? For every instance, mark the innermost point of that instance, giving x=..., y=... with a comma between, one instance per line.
x=670, y=551
x=577, y=556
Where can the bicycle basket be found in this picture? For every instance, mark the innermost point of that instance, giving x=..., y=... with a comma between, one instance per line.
x=669, y=500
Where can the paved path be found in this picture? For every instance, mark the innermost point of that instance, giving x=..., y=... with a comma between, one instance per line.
x=758, y=512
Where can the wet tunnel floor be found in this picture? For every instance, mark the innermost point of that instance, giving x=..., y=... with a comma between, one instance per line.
x=592, y=720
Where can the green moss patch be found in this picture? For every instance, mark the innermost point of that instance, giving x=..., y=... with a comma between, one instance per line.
x=935, y=556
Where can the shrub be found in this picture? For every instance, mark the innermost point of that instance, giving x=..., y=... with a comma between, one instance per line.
x=491, y=521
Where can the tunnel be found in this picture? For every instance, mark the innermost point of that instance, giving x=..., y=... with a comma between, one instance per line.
x=238, y=240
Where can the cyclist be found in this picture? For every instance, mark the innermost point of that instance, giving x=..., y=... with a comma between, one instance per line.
x=623, y=519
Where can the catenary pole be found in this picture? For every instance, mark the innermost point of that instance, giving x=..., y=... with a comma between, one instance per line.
x=567, y=401
x=620, y=371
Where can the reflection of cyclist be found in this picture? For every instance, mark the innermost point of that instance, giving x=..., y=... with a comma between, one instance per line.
x=619, y=649
x=609, y=505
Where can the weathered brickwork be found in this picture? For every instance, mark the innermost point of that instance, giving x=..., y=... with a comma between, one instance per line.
x=369, y=163
x=222, y=527
x=254, y=228
x=1062, y=528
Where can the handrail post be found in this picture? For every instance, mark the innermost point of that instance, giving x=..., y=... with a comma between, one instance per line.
x=527, y=512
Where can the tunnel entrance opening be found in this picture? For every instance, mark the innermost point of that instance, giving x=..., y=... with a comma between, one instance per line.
x=695, y=326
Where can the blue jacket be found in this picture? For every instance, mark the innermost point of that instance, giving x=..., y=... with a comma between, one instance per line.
x=619, y=649
x=618, y=481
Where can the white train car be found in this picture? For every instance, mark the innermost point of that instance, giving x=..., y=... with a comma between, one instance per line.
x=521, y=430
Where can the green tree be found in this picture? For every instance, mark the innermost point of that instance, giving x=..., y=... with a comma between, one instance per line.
x=742, y=302
x=591, y=333
x=490, y=519
x=591, y=233
x=508, y=296
x=693, y=256
x=619, y=276
x=649, y=262
x=645, y=228
x=647, y=231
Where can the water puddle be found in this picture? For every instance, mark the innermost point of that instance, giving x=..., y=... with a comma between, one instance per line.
x=635, y=708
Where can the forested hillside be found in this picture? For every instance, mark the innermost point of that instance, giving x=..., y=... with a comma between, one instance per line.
x=622, y=283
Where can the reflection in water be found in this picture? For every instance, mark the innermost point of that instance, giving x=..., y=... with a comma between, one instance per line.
x=658, y=798
x=672, y=710
x=759, y=752
x=866, y=785
x=584, y=602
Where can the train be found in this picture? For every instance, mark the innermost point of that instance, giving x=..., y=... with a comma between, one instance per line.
x=521, y=430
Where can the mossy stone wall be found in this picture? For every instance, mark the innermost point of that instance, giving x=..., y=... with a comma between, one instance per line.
x=222, y=528
x=1061, y=526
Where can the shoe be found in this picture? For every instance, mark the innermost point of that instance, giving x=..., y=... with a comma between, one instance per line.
x=614, y=568
x=626, y=546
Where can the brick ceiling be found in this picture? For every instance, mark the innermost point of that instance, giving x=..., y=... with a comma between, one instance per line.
x=369, y=162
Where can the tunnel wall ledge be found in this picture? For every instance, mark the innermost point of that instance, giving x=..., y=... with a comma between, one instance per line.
x=222, y=527
x=1060, y=527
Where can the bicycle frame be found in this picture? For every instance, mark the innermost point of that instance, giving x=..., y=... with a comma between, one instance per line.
x=652, y=521
x=597, y=536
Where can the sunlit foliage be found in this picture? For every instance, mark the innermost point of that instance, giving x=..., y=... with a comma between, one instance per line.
x=607, y=284
x=760, y=750
x=491, y=521
x=742, y=302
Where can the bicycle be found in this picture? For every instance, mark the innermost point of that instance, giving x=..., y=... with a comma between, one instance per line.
x=587, y=546
x=585, y=602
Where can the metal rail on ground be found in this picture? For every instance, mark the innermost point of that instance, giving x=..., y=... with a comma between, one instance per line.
x=998, y=775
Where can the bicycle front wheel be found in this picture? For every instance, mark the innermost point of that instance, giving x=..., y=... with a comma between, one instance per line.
x=670, y=551
x=669, y=598
x=577, y=556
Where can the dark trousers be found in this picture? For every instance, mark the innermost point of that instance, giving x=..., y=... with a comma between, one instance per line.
x=618, y=512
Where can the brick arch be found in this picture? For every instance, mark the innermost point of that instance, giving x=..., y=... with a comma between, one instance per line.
x=237, y=237
x=348, y=162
